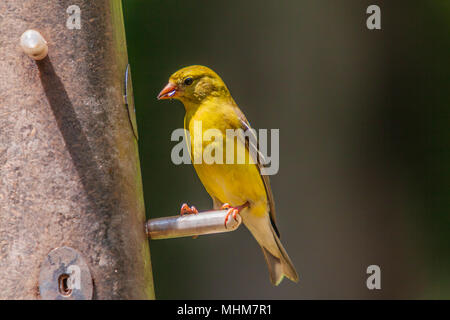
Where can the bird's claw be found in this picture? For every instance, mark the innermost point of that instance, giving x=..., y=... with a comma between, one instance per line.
x=231, y=212
x=185, y=209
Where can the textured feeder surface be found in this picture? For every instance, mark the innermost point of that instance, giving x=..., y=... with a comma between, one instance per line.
x=69, y=166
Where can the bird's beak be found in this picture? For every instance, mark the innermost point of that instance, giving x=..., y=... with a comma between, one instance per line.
x=168, y=92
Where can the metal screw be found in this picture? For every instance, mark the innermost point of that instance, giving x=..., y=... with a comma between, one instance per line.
x=65, y=275
x=34, y=44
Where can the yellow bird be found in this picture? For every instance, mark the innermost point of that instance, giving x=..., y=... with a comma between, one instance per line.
x=238, y=187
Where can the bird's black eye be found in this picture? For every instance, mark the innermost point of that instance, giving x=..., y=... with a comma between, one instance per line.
x=188, y=81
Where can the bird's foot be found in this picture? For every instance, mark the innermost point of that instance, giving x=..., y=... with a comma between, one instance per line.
x=185, y=209
x=225, y=206
x=233, y=211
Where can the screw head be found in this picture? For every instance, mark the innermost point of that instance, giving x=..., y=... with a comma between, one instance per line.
x=65, y=275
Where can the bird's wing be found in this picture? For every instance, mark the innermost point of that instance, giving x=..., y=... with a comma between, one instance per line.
x=253, y=146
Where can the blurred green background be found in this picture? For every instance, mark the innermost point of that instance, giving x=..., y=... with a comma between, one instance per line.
x=364, y=142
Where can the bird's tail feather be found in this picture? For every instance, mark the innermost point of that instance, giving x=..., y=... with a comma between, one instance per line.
x=279, y=266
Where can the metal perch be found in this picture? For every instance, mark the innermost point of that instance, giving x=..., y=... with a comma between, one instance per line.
x=189, y=225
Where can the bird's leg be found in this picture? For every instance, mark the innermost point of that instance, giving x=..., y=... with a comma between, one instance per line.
x=233, y=211
x=186, y=210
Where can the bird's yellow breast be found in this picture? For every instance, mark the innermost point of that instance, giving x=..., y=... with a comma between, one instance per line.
x=231, y=183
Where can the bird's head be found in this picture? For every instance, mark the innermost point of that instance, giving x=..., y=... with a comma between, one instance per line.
x=191, y=85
